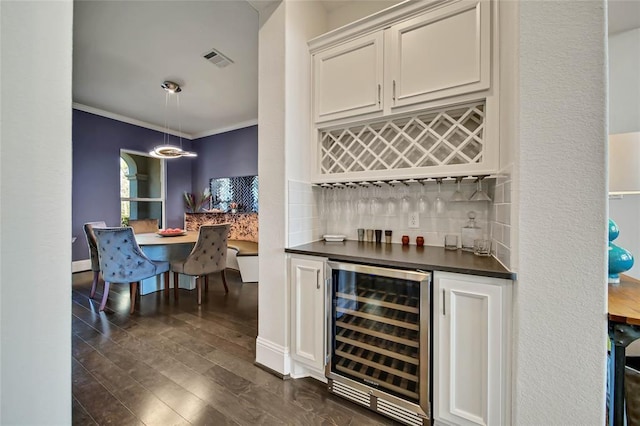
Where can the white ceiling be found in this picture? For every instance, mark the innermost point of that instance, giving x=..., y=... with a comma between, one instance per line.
x=124, y=50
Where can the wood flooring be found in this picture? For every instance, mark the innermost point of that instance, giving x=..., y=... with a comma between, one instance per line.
x=177, y=363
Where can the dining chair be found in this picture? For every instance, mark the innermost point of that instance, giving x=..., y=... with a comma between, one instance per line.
x=208, y=256
x=144, y=226
x=93, y=252
x=122, y=261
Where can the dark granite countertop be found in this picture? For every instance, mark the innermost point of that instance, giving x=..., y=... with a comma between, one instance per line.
x=428, y=258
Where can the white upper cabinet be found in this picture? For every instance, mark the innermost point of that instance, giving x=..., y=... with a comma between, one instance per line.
x=439, y=54
x=409, y=92
x=443, y=52
x=348, y=78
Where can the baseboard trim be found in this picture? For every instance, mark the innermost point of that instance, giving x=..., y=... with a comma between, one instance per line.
x=81, y=265
x=273, y=356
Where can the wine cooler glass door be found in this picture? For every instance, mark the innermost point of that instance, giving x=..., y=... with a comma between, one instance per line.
x=380, y=325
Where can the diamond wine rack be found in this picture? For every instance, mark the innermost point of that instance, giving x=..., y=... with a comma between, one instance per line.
x=451, y=136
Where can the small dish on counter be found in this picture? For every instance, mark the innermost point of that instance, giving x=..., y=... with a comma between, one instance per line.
x=171, y=232
x=334, y=238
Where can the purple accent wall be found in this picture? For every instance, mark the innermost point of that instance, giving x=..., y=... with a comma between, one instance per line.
x=96, y=168
x=229, y=154
x=96, y=173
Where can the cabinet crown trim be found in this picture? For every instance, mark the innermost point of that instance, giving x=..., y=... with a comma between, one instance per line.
x=375, y=22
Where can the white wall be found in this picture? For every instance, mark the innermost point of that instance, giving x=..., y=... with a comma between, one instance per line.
x=624, y=116
x=35, y=221
x=624, y=82
x=283, y=135
x=560, y=296
x=271, y=345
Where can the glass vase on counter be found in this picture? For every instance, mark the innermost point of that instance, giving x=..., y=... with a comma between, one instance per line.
x=470, y=232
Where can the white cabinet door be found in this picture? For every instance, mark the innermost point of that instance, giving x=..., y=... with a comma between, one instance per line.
x=348, y=78
x=442, y=53
x=307, y=311
x=471, y=338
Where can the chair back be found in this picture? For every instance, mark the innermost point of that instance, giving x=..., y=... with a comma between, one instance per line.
x=209, y=255
x=121, y=259
x=91, y=242
x=144, y=226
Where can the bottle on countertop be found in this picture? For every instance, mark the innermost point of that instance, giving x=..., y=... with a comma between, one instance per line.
x=470, y=232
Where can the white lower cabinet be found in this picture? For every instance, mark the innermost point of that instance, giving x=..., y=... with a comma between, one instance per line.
x=471, y=366
x=307, y=291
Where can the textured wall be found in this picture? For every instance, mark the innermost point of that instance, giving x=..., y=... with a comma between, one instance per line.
x=35, y=219
x=560, y=296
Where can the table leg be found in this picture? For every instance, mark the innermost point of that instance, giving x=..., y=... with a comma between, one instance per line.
x=616, y=389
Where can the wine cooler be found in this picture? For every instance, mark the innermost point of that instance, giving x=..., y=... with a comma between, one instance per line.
x=379, y=331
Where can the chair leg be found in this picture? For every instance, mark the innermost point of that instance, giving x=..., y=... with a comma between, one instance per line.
x=199, y=289
x=166, y=285
x=224, y=281
x=206, y=283
x=105, y=296
x=134, y=292
x=94, y=284
x=176, y=278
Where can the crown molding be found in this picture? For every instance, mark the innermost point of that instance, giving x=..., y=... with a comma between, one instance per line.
x=128, y=120
x=219, y=130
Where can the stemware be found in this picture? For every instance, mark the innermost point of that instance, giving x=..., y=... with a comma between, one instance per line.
x=392, y=203
x=440, y=203
x=458, y=195
x=480, y=194
x=423, y=201
x=406, y=202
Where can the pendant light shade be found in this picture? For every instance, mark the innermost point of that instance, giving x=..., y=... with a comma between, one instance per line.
x=166, y=150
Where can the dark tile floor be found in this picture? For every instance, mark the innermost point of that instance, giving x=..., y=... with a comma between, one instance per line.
x=177, y=363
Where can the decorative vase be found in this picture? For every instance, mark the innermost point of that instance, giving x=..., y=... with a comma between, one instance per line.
x=620, y=259
x=420, y=241
x=405, y=240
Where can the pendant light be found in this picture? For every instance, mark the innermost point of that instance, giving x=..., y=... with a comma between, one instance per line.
x=166, y=150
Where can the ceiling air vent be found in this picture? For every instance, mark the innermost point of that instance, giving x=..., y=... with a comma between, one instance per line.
x=217, y=59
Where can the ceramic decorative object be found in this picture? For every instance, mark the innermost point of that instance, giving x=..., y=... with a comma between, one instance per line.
x=405, y=240
x=620, y=259
x=420, y=241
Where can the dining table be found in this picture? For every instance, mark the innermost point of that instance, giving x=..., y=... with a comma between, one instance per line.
x=624, y=328
x=166, y=248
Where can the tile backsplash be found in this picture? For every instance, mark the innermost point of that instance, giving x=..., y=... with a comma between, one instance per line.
x=314, y=211
x=305, y=224
x=345, y=210
x=501, y=219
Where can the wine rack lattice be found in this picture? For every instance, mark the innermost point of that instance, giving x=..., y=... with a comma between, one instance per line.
x=431, y=138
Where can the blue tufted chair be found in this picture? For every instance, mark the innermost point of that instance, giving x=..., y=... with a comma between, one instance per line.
x=122, y=261
x=93, y=252
x=209, y=255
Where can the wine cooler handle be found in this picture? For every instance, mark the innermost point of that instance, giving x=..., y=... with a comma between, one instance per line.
x=444, y=305
x=328, y=320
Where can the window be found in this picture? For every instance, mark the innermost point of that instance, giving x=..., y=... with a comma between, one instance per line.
x=141, y=187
